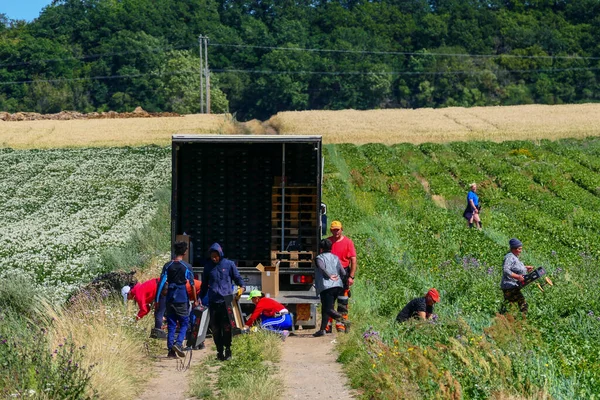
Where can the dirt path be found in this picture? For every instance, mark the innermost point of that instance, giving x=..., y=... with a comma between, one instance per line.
x=310, y=371
x=167, y=382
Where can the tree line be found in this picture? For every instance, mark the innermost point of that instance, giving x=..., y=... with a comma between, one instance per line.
x=274, y=55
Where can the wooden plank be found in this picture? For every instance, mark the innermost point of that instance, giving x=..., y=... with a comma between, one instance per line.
x=292, y=255
x=283, y=264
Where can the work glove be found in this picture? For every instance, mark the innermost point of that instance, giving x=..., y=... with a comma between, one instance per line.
x=240, y=291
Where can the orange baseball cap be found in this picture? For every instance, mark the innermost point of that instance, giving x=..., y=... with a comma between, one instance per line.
x=336, y=225
x=433, y=293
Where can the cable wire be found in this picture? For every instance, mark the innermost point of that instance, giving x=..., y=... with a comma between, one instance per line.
x=271, y=72
x=404, y=53
x=313, y=50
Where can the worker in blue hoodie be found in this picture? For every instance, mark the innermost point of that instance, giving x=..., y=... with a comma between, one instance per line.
x=217, y=279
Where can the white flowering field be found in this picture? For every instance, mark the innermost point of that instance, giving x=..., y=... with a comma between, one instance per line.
x=59, y=208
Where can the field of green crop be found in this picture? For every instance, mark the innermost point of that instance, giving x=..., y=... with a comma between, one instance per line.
x=62, y=208
x=403, y=207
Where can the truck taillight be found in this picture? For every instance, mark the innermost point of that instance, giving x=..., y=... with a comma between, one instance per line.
x=302, y=279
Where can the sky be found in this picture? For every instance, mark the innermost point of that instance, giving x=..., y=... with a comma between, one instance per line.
x=23, y=9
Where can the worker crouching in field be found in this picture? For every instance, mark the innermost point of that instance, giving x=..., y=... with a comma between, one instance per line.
x=512, y=277
x=421, y=307
x=329, y=283
x=273, y=315
x=144, y=294
x=217, y=280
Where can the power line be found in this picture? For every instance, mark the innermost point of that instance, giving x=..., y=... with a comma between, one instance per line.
x=313, y=50
x=271, y=72
x=403, y=53
x=463, y=72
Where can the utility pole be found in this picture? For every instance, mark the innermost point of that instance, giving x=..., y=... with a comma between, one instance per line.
x=201, y=76
x=204, y=75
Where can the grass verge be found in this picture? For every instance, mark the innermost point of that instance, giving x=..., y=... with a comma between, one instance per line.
x=250, y=374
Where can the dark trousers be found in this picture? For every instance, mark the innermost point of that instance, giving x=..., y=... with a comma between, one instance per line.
x=220, y=326
x=159, y=312
x=328, y=298
x=514, y=296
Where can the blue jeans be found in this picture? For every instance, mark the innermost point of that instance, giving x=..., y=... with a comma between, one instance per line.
x=159, y=312
x=172, y=320
x=281, y=323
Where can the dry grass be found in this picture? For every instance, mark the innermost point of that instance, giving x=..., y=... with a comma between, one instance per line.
x=117, y=355
x=114, y=342
x=529, y=122
x=109, y=132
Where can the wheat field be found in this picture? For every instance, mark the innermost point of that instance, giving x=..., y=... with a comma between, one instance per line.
x=108, y=132
x=528, y=122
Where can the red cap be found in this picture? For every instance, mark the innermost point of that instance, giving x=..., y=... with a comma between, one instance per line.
x=433, y=293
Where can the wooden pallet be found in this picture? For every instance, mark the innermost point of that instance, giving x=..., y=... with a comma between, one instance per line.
x=295, y=214
x=308, y=190
x=292, y=255
x=294, y=223
x=288, y=207
x=284, y=264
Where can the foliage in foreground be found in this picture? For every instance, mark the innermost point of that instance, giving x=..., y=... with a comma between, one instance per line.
x=31, y=366
x=403, y=207
x=249, y=374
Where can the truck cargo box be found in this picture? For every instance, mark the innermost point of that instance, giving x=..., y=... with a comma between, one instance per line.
x=259, y=197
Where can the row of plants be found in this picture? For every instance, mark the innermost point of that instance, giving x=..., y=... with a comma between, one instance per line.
x=408, y=240
x=62, y=208
x=69, y=216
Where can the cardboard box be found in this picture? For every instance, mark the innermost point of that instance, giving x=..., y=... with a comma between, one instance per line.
x=269, y=279
x=185, y=238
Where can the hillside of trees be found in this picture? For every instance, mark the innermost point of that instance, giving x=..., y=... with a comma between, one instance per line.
x=275, y=55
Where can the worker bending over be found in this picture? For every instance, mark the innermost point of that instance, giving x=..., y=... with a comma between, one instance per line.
x=144, y=294
x=273, y=315
x=421, y=307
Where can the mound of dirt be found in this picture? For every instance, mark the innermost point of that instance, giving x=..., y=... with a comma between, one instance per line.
x=104, y=285
x=139, y=112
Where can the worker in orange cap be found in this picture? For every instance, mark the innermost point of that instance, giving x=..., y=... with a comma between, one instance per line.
x=343, y=247
x=421, y=307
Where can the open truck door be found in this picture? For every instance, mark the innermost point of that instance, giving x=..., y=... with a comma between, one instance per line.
x=260, y=198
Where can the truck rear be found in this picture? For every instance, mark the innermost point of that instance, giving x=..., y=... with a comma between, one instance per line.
x=260, y=198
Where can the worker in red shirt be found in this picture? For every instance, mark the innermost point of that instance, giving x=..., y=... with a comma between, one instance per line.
x=144, y=295
x=343, y=247
x=273, y=315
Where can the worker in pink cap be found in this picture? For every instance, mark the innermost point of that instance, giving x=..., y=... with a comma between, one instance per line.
x=421, y=307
